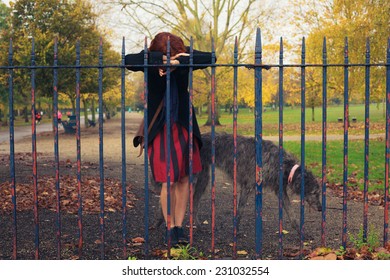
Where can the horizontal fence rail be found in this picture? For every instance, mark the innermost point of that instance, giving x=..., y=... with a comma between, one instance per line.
x=258, y=68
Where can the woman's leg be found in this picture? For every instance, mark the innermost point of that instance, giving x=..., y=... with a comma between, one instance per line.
x=182, y=193
x=164, y=203
x=179, y=200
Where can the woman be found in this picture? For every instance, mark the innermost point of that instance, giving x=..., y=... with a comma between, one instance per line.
x=179, y=104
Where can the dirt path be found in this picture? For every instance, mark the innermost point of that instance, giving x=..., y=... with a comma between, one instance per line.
x=135, y=215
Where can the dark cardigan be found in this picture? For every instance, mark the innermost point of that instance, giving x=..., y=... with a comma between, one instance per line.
x=157, y=87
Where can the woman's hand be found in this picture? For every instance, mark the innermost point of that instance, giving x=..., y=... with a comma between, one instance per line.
x=173, y=61
x=179, y=54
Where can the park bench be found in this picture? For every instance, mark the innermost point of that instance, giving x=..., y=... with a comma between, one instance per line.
x=340, y=120
x=70, y=125
x=91, y=123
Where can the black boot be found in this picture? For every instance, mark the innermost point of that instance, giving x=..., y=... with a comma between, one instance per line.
x=174, y=239
x=181, y=237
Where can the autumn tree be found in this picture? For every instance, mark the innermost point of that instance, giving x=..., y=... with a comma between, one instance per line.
x=70, y=22
x=357, y=20
x=4, y=12
x=202, y=20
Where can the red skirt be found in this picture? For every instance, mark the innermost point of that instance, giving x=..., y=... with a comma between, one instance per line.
x=179, y=159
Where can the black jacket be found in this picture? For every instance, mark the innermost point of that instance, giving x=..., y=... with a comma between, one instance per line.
x=157, y=87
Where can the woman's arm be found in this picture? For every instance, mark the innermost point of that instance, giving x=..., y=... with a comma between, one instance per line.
x=135, y=61
x=199, y=57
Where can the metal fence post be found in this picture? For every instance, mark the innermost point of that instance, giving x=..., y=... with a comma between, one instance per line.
x=259, y=141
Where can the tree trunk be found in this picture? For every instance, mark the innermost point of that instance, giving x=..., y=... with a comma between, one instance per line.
x=209, y=117
x=312, y=114
x=25, y=114
x=384, y=107
x=73, y=101
x=93, y=109
x=50, y=111
x=5, y=112
x=85, y=109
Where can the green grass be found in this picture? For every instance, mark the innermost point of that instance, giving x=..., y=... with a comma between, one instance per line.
x=292, y=120
x=335, y=157
x=313, y=154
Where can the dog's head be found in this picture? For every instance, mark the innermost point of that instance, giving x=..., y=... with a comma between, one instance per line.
x=312, y=191
x=312, y=188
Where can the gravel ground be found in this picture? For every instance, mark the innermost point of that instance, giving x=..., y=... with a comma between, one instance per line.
x=113, y=247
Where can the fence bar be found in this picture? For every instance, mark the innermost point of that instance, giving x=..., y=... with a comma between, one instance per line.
x=247, y=65
x=101, y=154
x=213, y=183
x=56, y=150
x=303, y=116
x=366, y=140
x=346, y=126
x=191, y=140
x=34, y=152
x=258, y=135
x=324, y=138
x=12, y=148
x=146, y=137
x=259, y=141
x=386, y=197
x=123, y=139
x=235, y=111
x=78, y=144
x=169, y=147
x=281, y=149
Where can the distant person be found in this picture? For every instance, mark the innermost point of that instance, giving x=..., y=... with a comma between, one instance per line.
x=38, y=117
x=59, y=116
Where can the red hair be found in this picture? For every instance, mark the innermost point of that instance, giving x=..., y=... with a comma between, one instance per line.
x=160, y=41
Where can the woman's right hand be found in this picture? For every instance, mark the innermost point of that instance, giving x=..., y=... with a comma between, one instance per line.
x=173, y=61
x=178, y=55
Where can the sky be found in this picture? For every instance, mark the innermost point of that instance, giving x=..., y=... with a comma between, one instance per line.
x=119, y=30
x=117, y=25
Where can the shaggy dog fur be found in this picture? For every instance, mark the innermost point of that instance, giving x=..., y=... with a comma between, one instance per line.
x=246, y=166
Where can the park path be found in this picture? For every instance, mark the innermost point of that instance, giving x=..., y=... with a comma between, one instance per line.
x=22, y=132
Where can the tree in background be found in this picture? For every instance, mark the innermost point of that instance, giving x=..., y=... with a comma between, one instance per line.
x=70, y=22
x=336, y=20
x=4, y=12
x=202, y=20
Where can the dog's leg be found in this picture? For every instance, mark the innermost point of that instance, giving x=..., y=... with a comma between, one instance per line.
x=245, y=191
x=200, y=186
x=286, y=207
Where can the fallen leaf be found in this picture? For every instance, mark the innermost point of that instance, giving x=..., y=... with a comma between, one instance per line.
x=283, y=232
x=331, y=257
x=242, y=253
x=317, y=258
x=138, y=240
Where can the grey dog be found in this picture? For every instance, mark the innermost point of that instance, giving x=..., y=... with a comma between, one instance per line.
x=246, y=166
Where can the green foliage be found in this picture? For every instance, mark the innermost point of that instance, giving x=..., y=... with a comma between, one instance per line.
x=185, y=253
x=357, y=20
x=68, y=21
x=132, y=258
x=341, y=252
x=372, y=241
x=383, y=256
x=4, y=12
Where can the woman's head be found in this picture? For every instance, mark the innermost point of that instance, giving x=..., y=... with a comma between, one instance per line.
x=160, y=41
